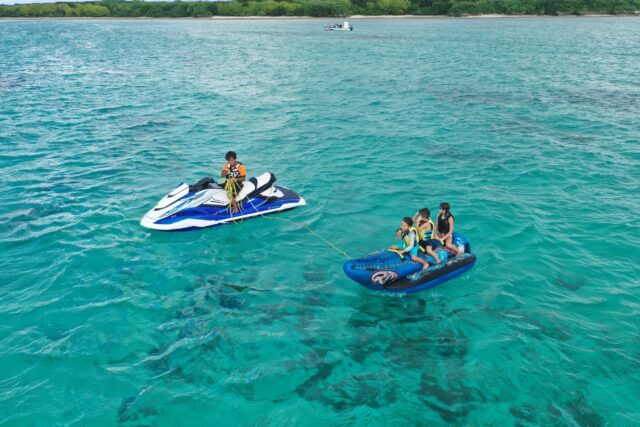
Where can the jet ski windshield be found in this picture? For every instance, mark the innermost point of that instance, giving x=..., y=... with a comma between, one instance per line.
x=205, y=183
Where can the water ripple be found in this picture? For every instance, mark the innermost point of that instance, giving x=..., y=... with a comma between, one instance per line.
x=527, y=127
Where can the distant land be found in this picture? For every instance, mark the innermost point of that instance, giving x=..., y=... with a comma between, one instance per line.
x=318, y=8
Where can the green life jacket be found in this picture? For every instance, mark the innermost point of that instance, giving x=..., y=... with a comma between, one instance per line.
x=406, y=237
x=427, y=234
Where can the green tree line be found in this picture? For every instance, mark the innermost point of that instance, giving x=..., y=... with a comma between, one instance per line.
x=318, y=8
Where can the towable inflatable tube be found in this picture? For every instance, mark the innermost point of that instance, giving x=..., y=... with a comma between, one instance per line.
x=388, y=271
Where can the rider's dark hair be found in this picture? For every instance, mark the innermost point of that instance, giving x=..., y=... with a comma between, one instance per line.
x=445, y=206
x=231, y=155
x=424, y=212
x=407, y=221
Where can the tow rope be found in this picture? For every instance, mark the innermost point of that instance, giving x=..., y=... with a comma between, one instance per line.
x=232, y=193
x=306, y=227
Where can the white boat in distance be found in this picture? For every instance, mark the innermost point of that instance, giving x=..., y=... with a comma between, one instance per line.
x=345, y=26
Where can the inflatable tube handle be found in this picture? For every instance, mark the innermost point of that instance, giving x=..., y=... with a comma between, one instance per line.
x=398, y=252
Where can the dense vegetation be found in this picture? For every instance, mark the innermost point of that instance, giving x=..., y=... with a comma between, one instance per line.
x=318, y=8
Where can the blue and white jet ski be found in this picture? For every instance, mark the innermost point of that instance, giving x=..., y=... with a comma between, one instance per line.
x=388, y=271
x=206, y=204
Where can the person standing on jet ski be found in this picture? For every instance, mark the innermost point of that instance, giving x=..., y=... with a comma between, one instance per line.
x=235, y=173
x=409, y=235
x=444, y=227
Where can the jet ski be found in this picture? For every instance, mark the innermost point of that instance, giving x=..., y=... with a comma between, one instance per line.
x=391, y=271
x=339, y=27
x=206, y=204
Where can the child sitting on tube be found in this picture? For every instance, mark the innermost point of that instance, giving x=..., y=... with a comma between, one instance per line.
x=409, y=236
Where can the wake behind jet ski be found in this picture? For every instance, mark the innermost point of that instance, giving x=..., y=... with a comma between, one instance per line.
x=207, y=204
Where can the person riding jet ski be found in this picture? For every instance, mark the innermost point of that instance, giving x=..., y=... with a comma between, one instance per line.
x=235, y=174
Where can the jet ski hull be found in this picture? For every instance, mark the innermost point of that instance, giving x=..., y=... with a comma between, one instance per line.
x=387, y=271
x=184, y=209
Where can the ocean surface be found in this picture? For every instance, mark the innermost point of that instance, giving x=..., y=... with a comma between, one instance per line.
x=530, y=128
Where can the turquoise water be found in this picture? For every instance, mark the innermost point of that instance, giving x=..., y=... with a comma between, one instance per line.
x=529, y=128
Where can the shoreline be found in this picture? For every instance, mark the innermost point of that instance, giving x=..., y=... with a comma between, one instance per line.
x=352, y=17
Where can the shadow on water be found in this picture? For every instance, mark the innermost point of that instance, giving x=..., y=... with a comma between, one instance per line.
x=140, y=414
x=570, y=283
x=348, y=393
x=392, y=350
x=576, y=410
x=452, y=400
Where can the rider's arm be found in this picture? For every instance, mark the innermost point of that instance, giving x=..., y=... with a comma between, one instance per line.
x=225, y=171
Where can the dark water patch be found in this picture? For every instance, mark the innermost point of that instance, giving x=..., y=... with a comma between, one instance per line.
x=192, y=311
x=8, y=84
x=352, y=392
x=611, y=98
x=364, y=391
x=448, y=415
x=583, y=413
x=126, y=403
x=408, y=353
x=114, y=109
x=524, y=412
x=150, y=125
x=189, y=329
x=543, y=328
x=316, y=353
x=314, y=276
x=117, y=354
x=453, y=400
x=131, y=411
x=315, y=300
x=318, y=379
x=272, y=313
x=363, y=348
x=138, y=416
x=451, y=343
x=416, y=313
x=570, y=283
x=576, y=411
x=196, y=345
x=230, y=302
x=241, y=288
x=366, y=312
x=210, y=293
x=42, y=210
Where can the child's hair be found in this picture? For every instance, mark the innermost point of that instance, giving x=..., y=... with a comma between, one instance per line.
x=231, y=155
x=407, y=221
x=425, y=213
x=445, y=206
